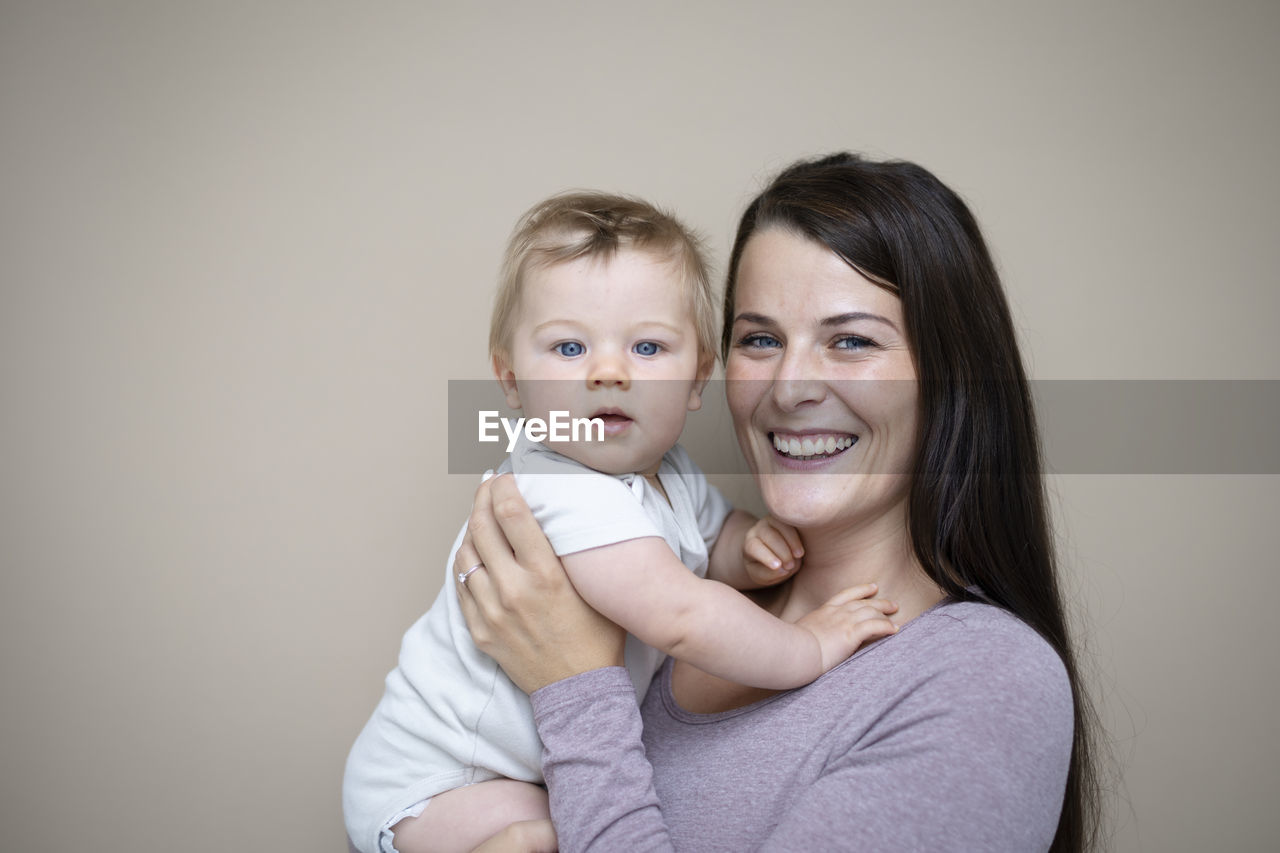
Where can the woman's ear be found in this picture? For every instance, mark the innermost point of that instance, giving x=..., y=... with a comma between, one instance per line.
x=507, y=379
x=706, y=364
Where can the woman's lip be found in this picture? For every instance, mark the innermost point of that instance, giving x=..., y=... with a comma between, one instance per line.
x=800, y=433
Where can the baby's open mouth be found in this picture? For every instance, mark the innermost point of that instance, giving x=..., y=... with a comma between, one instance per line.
x=812, y=446
x=615, y=421
x=612, y=416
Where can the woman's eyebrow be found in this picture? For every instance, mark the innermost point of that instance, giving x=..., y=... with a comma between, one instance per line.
x=837, y=320
x=841, y=319
x=757, y=319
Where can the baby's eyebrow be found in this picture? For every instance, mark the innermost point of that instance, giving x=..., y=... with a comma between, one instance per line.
x=559, y=321
x=675, y=330
x=575, y=325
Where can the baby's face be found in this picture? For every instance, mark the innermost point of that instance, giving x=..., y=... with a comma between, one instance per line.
x=609, y=338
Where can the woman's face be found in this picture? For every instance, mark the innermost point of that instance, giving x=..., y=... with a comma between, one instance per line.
x=821, y=384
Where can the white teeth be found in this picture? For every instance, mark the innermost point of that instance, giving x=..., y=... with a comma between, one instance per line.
x=812, y=446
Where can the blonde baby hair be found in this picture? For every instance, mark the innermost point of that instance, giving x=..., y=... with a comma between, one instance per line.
x=588, y=224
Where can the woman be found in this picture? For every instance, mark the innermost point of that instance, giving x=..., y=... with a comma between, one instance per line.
x=861, y=304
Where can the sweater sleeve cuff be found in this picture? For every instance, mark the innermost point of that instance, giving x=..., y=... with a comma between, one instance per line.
x=549, y=700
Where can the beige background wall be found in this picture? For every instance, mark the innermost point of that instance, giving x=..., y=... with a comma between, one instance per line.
x=244, y=245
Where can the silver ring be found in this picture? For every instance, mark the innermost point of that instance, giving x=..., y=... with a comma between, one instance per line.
x=462, y=576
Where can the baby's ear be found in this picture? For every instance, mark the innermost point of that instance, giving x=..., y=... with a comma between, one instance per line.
x=507, y=379
x=706, y=364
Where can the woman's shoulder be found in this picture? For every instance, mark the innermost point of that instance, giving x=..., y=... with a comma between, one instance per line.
x=983, y=653
x=982, y=629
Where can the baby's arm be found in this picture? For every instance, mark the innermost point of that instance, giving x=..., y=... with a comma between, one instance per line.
x=751, y=553
x=641, y=585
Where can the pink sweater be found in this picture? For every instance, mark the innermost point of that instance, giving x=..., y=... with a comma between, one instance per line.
x=953, y=734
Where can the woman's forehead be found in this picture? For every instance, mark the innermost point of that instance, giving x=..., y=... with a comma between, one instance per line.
x=781, y=272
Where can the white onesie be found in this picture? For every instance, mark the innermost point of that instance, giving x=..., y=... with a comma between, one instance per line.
x=450, y=716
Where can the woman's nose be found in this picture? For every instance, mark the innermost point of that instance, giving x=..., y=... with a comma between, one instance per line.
x=797, y=381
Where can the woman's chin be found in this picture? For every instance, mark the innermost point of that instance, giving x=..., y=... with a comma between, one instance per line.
x=799, y=500
x=811, y=501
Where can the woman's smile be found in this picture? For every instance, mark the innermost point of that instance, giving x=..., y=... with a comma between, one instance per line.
x=819, y=446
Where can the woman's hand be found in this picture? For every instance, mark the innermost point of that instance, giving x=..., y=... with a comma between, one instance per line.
x=520, y=606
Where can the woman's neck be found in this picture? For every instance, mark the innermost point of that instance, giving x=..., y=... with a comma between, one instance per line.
x=836, y=559
x=833, y=561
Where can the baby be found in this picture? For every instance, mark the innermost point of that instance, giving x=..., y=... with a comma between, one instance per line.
x=605, y=311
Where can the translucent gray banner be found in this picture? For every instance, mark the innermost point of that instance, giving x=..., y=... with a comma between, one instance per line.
x=1086, y=426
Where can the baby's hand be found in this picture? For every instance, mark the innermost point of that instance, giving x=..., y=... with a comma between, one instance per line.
x=771, y=551
x=847, y=620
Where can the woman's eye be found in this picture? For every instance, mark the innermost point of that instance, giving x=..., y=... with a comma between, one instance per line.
x=646, y=348
x=759, y=341
x=569, y=349
x=853, y=342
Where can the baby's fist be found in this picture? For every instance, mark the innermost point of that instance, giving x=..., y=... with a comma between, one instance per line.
x=771, y=551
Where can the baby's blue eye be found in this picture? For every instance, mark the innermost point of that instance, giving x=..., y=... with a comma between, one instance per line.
x=646, y=348
x=569, y=349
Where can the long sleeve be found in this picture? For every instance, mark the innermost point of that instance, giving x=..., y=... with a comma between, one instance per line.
x=601, y=783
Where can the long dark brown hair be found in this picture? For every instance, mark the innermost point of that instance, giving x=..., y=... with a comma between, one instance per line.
x=977, y=509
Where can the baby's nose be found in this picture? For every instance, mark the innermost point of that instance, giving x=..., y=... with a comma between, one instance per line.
x=608, y=373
